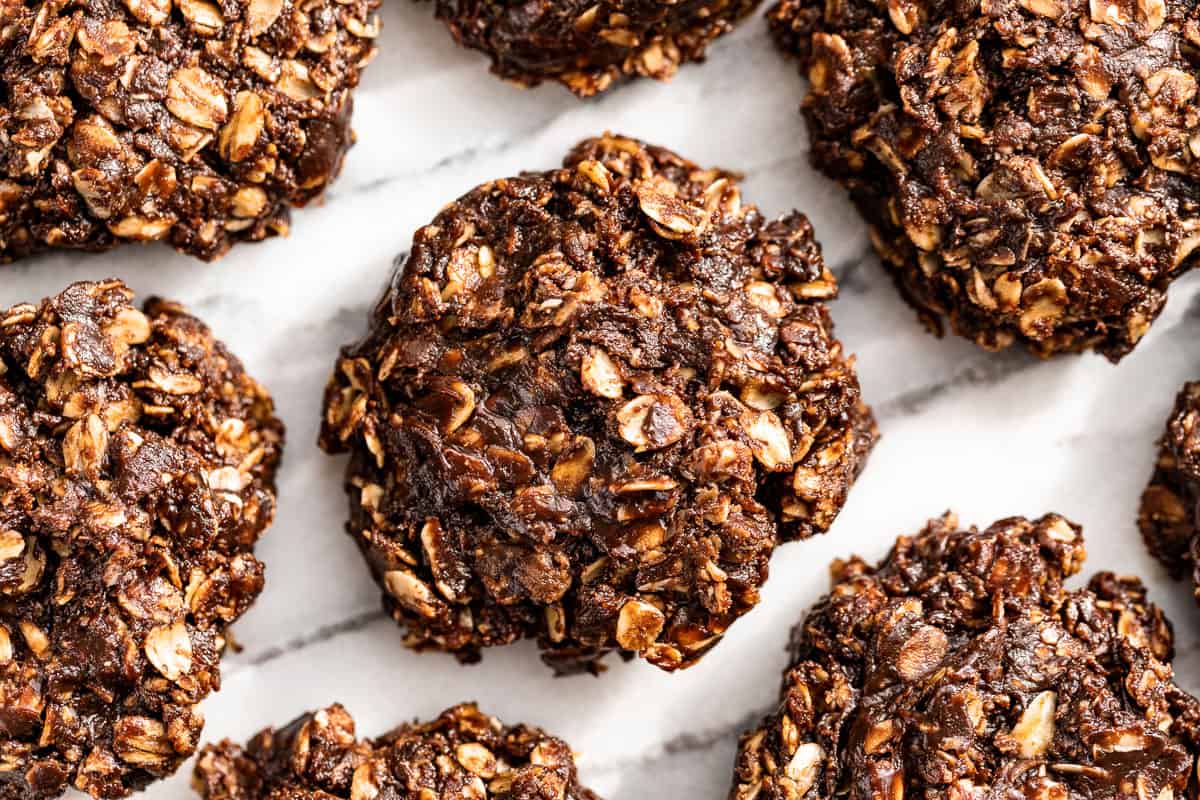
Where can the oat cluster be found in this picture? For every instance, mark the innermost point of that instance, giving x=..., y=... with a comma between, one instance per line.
x=462, y=754
x=588, y=46
x=590, y=405
x=1028, y=167
x=137, y=463
x=1168, y=517
x=960, y=668
x=195, y=122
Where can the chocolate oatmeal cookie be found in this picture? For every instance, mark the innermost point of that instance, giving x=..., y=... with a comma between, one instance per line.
x=1029, y=168
x=196, y=122
x=589, y=406
x=961, y=668
x=137, y=468
x=1168, y=515
x=464, y=753
x=587, y=45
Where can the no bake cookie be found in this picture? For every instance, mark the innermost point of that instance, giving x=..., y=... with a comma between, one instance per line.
x=590, y=404
x=1029, y=168
x=585, y=45
x=137, y=467
x=960, y=667
x=464, y=753
x=197, y=123
x=1169, y=505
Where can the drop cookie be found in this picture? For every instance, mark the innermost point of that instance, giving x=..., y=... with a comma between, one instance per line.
x=961, y=667
x=463, y=753
x=137, y=470
x=1029, y=170
x=195, y=123
x=588, y=46
x=590, y=404
x=1169, y=504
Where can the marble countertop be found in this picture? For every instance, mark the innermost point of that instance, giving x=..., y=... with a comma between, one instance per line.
x=987, y=435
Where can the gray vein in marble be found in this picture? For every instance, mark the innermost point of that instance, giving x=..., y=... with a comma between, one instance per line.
x=224, y=303
x=772, y=165
x=352, y=319
x=450, y=161
x=851, y=271
x=988, y=368
x=687, y=743
x=321, y=635
x=1137, y=437
x=703, y=740
x=1191, y=314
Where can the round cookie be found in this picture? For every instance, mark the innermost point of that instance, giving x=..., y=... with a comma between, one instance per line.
x=1169, y=505
x=960, y=667
x=1028, y=167
x=589, y=406
x=464, y=753
x=197, y=123
x=137, y=467
x=588, y=46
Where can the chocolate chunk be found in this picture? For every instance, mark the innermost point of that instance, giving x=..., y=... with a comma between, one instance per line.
x=137, y=470
x=588, y=46
x=1028, y=167
x=464, y=753
x=589, y=406
x=961, y=667
x=198, y=123
x=1168, y=517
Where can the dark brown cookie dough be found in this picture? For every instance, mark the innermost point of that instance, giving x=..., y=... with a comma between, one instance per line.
x=587, y=45
x=1168, y=515
x=464, y=753
x=1028, y=167
x=961, y=668
x=198, y=123
x=137, y=466
x=588, y=408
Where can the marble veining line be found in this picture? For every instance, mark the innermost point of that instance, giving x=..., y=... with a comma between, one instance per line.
x=1191, y=314
x=1136, y=437
x=686, y=743
x=772, y=165
x=321, y=635
x=987, y=369
x=850, y=273
x=446, y=162
x=349, y=320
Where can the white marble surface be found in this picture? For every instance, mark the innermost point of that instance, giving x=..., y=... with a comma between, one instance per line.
x=987, y=435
